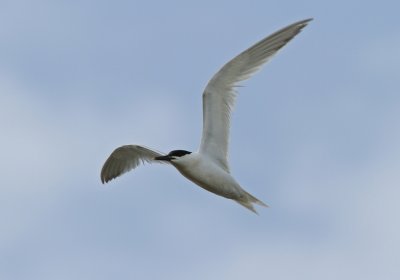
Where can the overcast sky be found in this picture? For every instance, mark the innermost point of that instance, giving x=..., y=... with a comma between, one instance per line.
x=315, y=134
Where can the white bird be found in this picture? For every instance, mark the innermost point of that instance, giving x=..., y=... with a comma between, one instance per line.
x=209, y=168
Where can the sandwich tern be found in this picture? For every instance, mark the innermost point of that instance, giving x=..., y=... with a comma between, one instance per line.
x=208, y=167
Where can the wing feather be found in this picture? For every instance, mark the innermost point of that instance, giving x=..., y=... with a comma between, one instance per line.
x=219, y=94
x=126, y=158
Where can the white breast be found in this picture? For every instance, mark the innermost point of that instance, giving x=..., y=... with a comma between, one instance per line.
x=205, y=173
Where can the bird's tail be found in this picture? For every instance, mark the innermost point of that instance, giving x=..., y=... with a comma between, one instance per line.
x=247, y=201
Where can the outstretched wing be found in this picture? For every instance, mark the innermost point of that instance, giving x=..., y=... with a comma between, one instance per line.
x=126, y=158
x=219, y=95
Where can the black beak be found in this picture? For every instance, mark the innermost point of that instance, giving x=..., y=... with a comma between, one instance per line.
x=165, y=158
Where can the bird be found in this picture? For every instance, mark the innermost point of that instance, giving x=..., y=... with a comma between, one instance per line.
x=209, y=167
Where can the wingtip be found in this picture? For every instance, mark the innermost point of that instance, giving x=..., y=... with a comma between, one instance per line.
x=303, y=23
x=104, y=180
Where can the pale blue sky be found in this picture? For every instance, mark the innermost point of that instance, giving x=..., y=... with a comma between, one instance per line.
x=315, y=134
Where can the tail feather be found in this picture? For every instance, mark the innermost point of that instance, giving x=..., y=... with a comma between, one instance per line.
x=247, y=201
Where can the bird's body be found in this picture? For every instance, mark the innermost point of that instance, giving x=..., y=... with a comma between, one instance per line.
x=209, y=175
x=209, y=168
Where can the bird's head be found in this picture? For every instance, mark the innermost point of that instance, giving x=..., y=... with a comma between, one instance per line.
x=175, y=154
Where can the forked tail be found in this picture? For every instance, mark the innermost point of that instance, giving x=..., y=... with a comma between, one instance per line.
x=247, y=201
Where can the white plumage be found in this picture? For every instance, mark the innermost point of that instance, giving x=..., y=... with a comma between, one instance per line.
x=209, y=168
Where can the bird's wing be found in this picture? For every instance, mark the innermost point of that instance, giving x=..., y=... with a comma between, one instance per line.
x=126, y=158
x=219, y=94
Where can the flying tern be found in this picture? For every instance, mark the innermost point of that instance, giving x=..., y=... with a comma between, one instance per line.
x=208, y=167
